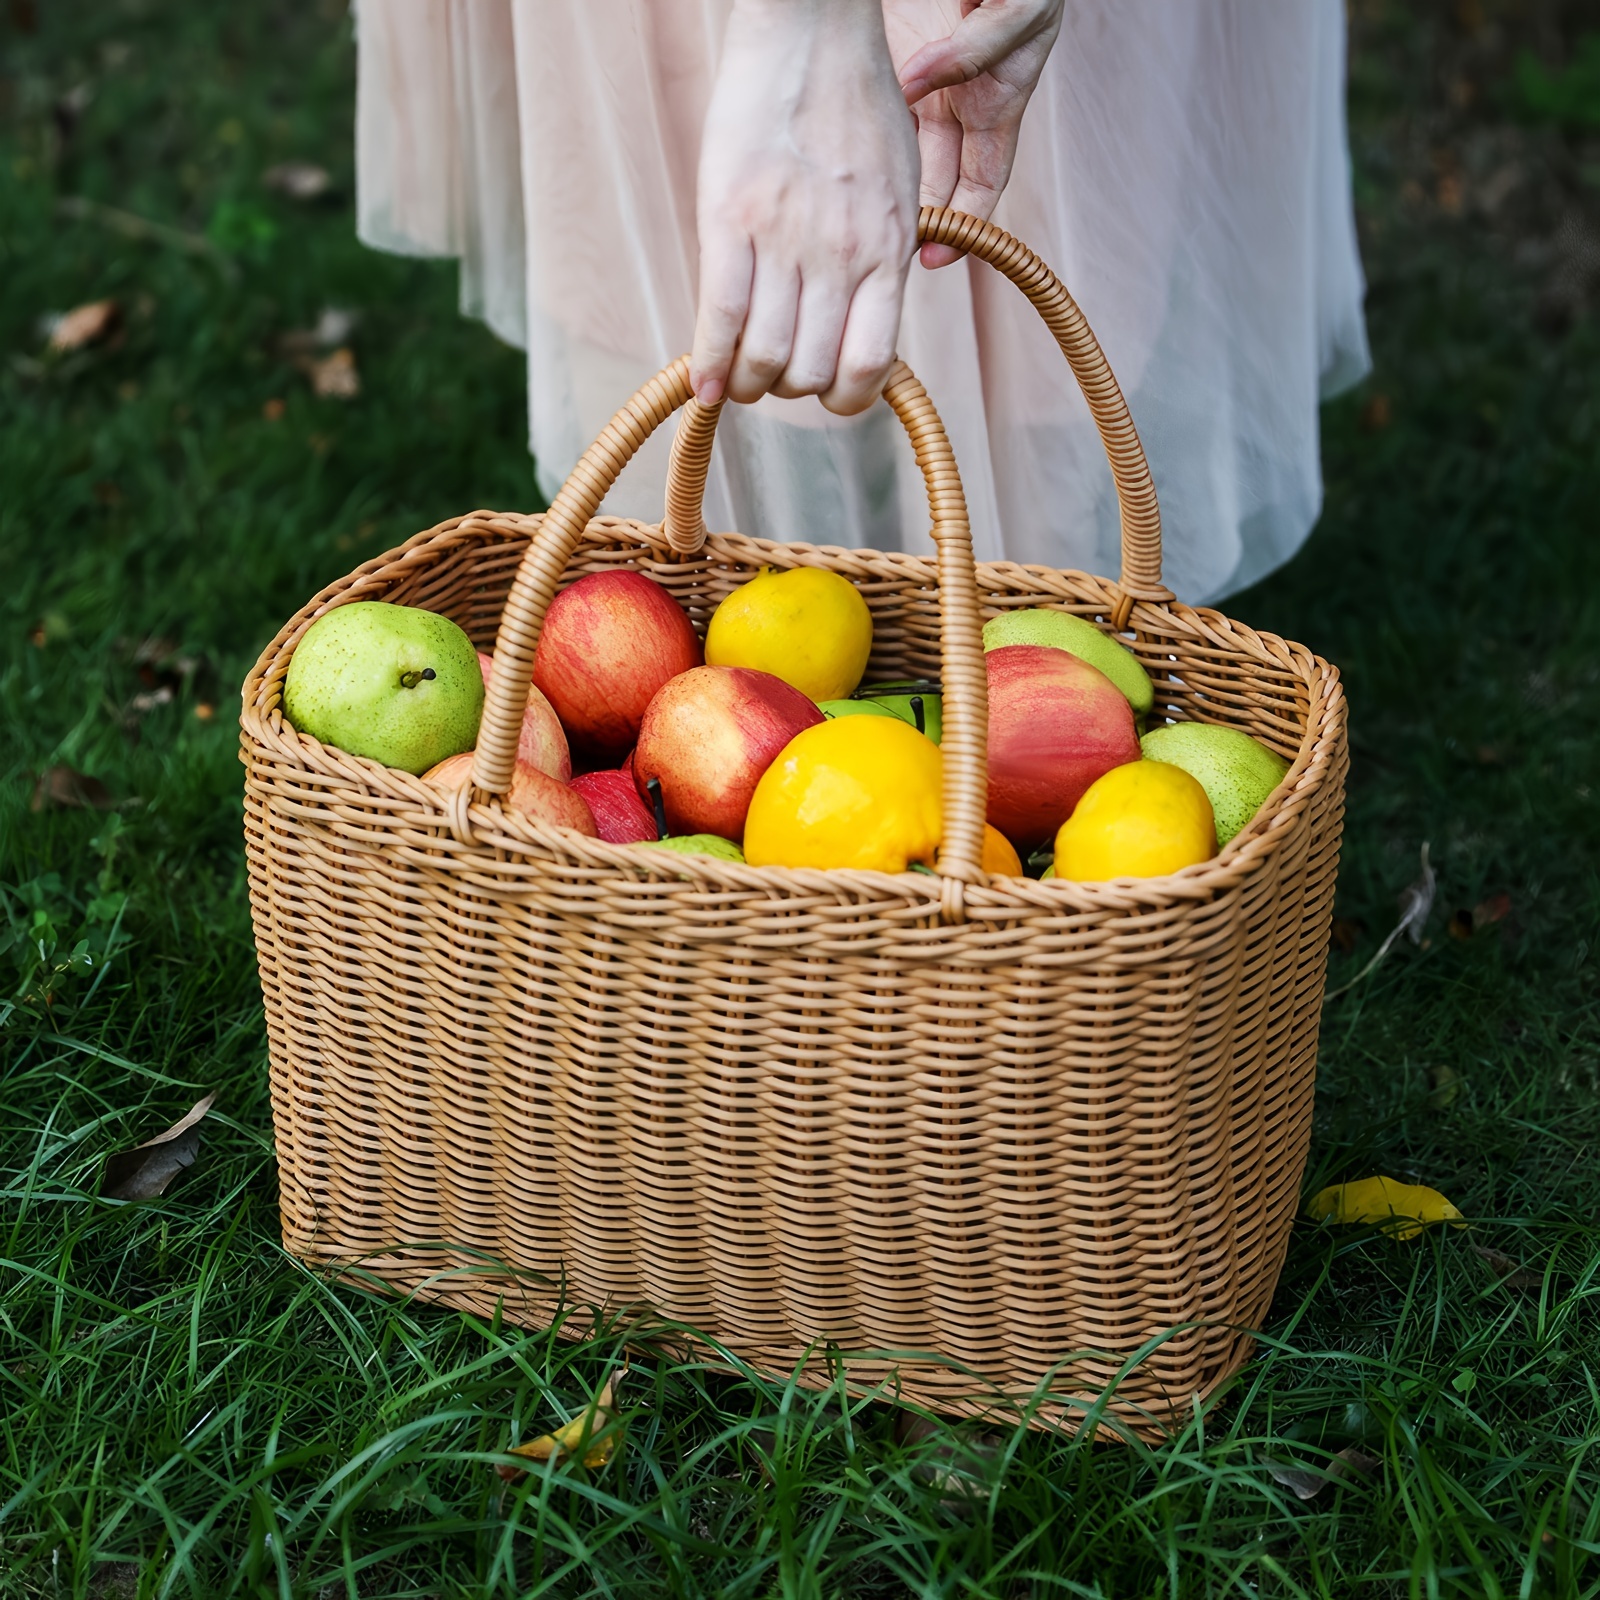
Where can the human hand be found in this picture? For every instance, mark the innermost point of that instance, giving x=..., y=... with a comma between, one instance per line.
x=807, y=206
x=968, y=68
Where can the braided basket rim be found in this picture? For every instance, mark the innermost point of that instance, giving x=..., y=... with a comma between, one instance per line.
x=266, y=734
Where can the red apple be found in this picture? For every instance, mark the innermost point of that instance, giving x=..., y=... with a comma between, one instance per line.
x=537, y=795
x=1055, y=725
x=708, y=736
x=619, y=814
x=609, y=641
x=541, y=741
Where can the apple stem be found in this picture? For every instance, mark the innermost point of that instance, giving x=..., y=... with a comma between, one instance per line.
x=653, y=788
x=916, y=711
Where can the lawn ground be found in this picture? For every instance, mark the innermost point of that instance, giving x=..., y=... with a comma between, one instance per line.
x=188, y=1413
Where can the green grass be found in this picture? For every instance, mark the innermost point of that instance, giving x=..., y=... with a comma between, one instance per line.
x=189, y=1413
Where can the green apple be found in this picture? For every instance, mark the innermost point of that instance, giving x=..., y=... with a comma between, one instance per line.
x=696, y=844
x=894, y=700
x=392, y=683
x=900, y=705
x=855, y=708
x=1236, y=773
x=1064, y=631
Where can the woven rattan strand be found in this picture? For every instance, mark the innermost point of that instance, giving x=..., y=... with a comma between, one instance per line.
x=968, y=1137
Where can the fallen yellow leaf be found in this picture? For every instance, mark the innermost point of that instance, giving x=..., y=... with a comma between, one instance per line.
x=590, y=1431
x=1403, y=1209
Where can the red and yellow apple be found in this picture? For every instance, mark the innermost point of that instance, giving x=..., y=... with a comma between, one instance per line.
x=537, y=795
x=620, y=816
x=541, y=741
x=609, y=642
x=708, y=735
x=1055, y=725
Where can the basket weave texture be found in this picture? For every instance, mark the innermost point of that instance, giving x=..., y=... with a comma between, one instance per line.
x=978, y=1136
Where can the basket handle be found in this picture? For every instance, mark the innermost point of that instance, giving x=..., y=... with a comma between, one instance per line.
x=1136, y=492
x=965, y=786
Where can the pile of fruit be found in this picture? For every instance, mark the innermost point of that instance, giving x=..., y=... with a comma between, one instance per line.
x=762, y=745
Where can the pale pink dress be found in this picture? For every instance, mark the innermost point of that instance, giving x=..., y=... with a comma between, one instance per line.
x=1183, y=166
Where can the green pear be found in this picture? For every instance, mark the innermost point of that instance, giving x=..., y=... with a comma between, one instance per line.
x=1064, y=631
x=1235, y=771
x=696, y=844
x=392, y=683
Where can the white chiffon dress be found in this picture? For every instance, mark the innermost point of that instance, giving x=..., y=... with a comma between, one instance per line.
x=1183, y=165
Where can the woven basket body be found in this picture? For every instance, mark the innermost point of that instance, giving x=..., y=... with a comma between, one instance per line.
x=983, y=1134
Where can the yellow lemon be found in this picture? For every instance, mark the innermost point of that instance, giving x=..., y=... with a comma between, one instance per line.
x=861, y=792
x=1141, y=820
x=808, y=626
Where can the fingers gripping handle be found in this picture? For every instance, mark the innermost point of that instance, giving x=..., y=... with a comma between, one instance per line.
x=1130, y=470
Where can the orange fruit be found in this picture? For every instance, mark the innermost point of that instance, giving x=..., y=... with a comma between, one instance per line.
x=999, y=854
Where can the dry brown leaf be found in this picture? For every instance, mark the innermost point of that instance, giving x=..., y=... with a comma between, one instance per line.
x=594, y=1431
x=1495, y=909
x=300, y=180
x=119, y=1581
x=146, y=701
x=85, y=325
x=1511, y=1272
x=1416, y=906
x=1308, y=1482
x=334, y=326
x=335, y=377
x=1347, y=933
x=955, y=1465
x=1464, y=923
x=144, y=1172
x=66, y=789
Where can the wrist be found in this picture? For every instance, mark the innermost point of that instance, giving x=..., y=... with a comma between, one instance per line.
x=854, y=27
x=791, y=11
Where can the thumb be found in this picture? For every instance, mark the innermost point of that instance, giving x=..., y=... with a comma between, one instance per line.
x=983, y=38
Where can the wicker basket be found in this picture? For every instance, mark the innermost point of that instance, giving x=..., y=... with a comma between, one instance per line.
x=989, y=1135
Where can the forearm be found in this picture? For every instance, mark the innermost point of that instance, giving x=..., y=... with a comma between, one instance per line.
x=807, y=205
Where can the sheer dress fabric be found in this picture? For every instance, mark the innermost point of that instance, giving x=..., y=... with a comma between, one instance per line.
x=1183, y=166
